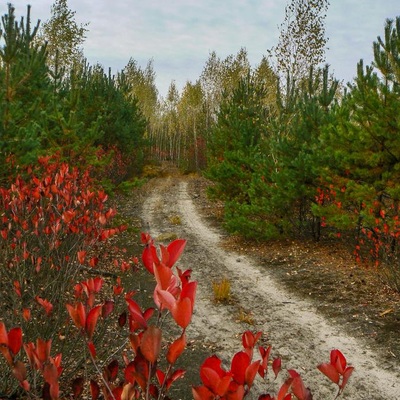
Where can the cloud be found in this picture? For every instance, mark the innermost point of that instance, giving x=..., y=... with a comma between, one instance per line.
x=180, y=34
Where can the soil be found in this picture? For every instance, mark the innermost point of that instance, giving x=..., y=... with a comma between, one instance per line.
x=307, y=298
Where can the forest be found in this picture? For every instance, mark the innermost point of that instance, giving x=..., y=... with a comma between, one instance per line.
x=287, y=148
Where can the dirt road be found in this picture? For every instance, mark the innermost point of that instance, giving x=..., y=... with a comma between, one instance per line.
x=297, y=332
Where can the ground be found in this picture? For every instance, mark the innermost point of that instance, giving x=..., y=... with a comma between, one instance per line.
x=306, y=297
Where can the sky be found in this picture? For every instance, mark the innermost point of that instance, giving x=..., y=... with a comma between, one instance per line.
x=179, y=35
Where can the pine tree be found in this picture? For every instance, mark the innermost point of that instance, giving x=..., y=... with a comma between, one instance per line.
x=26, y=91
x=235, y=155
x=299, y=154
x=366, y=144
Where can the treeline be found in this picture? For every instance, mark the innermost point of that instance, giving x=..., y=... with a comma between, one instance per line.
x=80, y=112
x=301, y=157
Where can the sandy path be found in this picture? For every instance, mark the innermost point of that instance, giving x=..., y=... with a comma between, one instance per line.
x=297, y=333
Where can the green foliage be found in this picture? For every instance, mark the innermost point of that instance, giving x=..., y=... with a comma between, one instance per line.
x=299, y=152
x=45, y=110
x=235, y=151
x=24, y=96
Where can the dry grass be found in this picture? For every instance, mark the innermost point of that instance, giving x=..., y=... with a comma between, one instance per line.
x=222, y=290
x=175, y=220
x=245, y=317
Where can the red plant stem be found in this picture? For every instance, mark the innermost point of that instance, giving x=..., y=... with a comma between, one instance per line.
x=165, y=380
x=100, y=374
x=148, y=382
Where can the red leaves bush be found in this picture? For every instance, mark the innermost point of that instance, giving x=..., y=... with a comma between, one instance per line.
x=51, y=222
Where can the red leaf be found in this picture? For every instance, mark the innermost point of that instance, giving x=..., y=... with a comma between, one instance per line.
x=7, y=354
x=240, y=362
x=150, y=344
x=251, y=373
x=77, y=387
x=112, y=370
x=249, y=339
x=214, y=363
x=122, y=319
x=43, y=349
x=135, y=342
x=166, y=299
x=81, y=256
x=147, y=259
x=330, y=371
x=94, y=389
x=26, y=314
x=17, y=288
x=129, y=392
x=102, y=219
x=47, y=306
x=276, y=366
x=25, y=385
x=107, y=308
x=145, y=238
x=264, y=353
x=77, y=314
x=55, y=391
x=189, y=291
x=176, y=349
x=130, y=372
x=92, y=349
x=182, y=312
x=346, y=376
x=284, y=389
x=298, y=388
x=160, y=377
x=19, y=371
x=91, y=320
x=50, y=373
x=179, y=373
x=175, y=250
x=136, y=312
x=163, y=275
x=93, y=261
x=338, y=360
x=202, y=393
x=68, y=216
x=3, y=334
x=218, y=385
x=15, y=340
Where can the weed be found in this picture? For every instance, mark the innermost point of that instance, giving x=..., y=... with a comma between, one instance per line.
x=222, y=290
x=245, y=316
x=175, y=220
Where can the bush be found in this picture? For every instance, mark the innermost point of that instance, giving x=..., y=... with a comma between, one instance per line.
x=83, y=336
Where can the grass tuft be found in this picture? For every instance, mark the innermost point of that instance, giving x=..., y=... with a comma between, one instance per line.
x=222, y=290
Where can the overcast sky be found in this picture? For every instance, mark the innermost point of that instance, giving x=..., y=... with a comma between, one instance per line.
x=180, y=34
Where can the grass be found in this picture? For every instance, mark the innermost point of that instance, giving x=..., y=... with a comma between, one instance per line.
x=175, y=220
x=245, y=317
x=222, y=290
